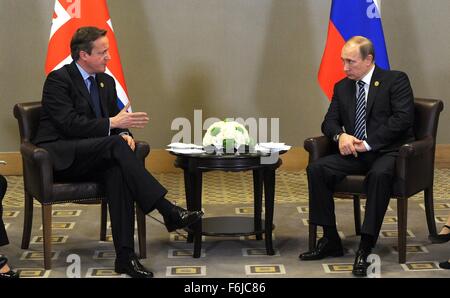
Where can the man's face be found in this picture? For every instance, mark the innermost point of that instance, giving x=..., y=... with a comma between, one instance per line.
x=99, y=57
x=354, y=66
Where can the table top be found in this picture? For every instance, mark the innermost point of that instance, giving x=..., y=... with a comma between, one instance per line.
x=214, y=155
x=228, y=162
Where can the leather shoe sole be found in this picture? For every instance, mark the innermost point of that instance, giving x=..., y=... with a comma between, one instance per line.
x=360, y=272
x=132, y=267
x=132, y=273
x=311, y=256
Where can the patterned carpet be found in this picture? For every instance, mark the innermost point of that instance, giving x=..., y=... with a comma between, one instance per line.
x=76, y=234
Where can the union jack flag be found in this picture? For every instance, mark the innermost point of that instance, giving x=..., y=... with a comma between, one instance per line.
x=68, y=16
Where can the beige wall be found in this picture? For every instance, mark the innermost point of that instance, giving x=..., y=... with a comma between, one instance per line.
x=230, y=58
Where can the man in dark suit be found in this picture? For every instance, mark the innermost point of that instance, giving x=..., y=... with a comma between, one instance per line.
x=370, y=116
x=87, y=137
x=5, y=270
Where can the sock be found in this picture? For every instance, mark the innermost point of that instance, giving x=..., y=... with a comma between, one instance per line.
x=330, y=232
x=367, y=242
x=164, y=207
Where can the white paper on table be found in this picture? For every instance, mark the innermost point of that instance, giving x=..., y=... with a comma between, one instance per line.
x=272, y=147
x=184, y=146
x=186, y=150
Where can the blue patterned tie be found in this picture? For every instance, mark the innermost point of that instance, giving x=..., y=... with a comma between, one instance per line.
x=360, y=119
x=95, y=98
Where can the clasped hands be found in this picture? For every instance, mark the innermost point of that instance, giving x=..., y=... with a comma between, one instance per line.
x=348, y=144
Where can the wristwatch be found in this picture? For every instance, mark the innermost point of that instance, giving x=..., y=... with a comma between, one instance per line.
x=336, y=137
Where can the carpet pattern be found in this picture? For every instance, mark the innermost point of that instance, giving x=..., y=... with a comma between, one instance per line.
x=77, y=250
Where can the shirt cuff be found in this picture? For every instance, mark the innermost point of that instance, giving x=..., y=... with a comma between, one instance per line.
x=368, y=148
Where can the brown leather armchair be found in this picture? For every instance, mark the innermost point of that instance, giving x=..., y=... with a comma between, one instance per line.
x=414, y=172
x=39, y=184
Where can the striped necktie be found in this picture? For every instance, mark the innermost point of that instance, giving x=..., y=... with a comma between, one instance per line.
x=360, y=119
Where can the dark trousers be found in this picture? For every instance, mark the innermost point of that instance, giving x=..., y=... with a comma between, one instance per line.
x=111, y=161
x=3, y=235
x=326, y=172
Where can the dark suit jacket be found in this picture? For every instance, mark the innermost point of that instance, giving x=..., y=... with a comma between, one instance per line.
x=3, y=235
x=67, y=113
x=389, y=112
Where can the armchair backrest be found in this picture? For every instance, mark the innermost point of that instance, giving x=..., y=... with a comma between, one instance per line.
x=426, y=117
x=28, y=115
x=37, y=177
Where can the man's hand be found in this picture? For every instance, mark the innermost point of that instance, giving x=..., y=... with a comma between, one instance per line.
x=359, y=146
x=128, y=120
x=347, y=144
x=130, y=141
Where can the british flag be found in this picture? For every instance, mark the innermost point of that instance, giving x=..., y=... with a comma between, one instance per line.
x=68, y=16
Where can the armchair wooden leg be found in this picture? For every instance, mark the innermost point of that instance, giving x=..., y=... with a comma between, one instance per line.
x=402, y=213
x=47, y=235
x=103, y=220
x=257, y=200
x=189, y=198
x=140, y=218
x=357, y=214
x=27, y=221
x=429, y=210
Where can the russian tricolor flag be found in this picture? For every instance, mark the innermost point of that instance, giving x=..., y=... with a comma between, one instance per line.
x=347, y=19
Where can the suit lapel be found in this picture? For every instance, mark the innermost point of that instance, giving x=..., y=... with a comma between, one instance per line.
x=102, y=93
x=373, y=90
x=351, y=100
x=79, y=83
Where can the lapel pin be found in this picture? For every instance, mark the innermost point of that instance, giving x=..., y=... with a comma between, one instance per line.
x=103, y=85
x=376, y=84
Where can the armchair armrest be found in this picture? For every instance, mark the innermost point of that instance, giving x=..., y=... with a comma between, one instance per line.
x=415, y=166
x=416, y=148
x=37, y=170
x=142, y=150
x=318, y=147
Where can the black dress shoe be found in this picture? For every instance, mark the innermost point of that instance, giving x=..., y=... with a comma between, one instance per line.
x=132, y=267
x=439, y=238
x=444, y=265
x=360, y=265
x=325, y=248
x=3, y=261
x=10, y=273
x=180, y=218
